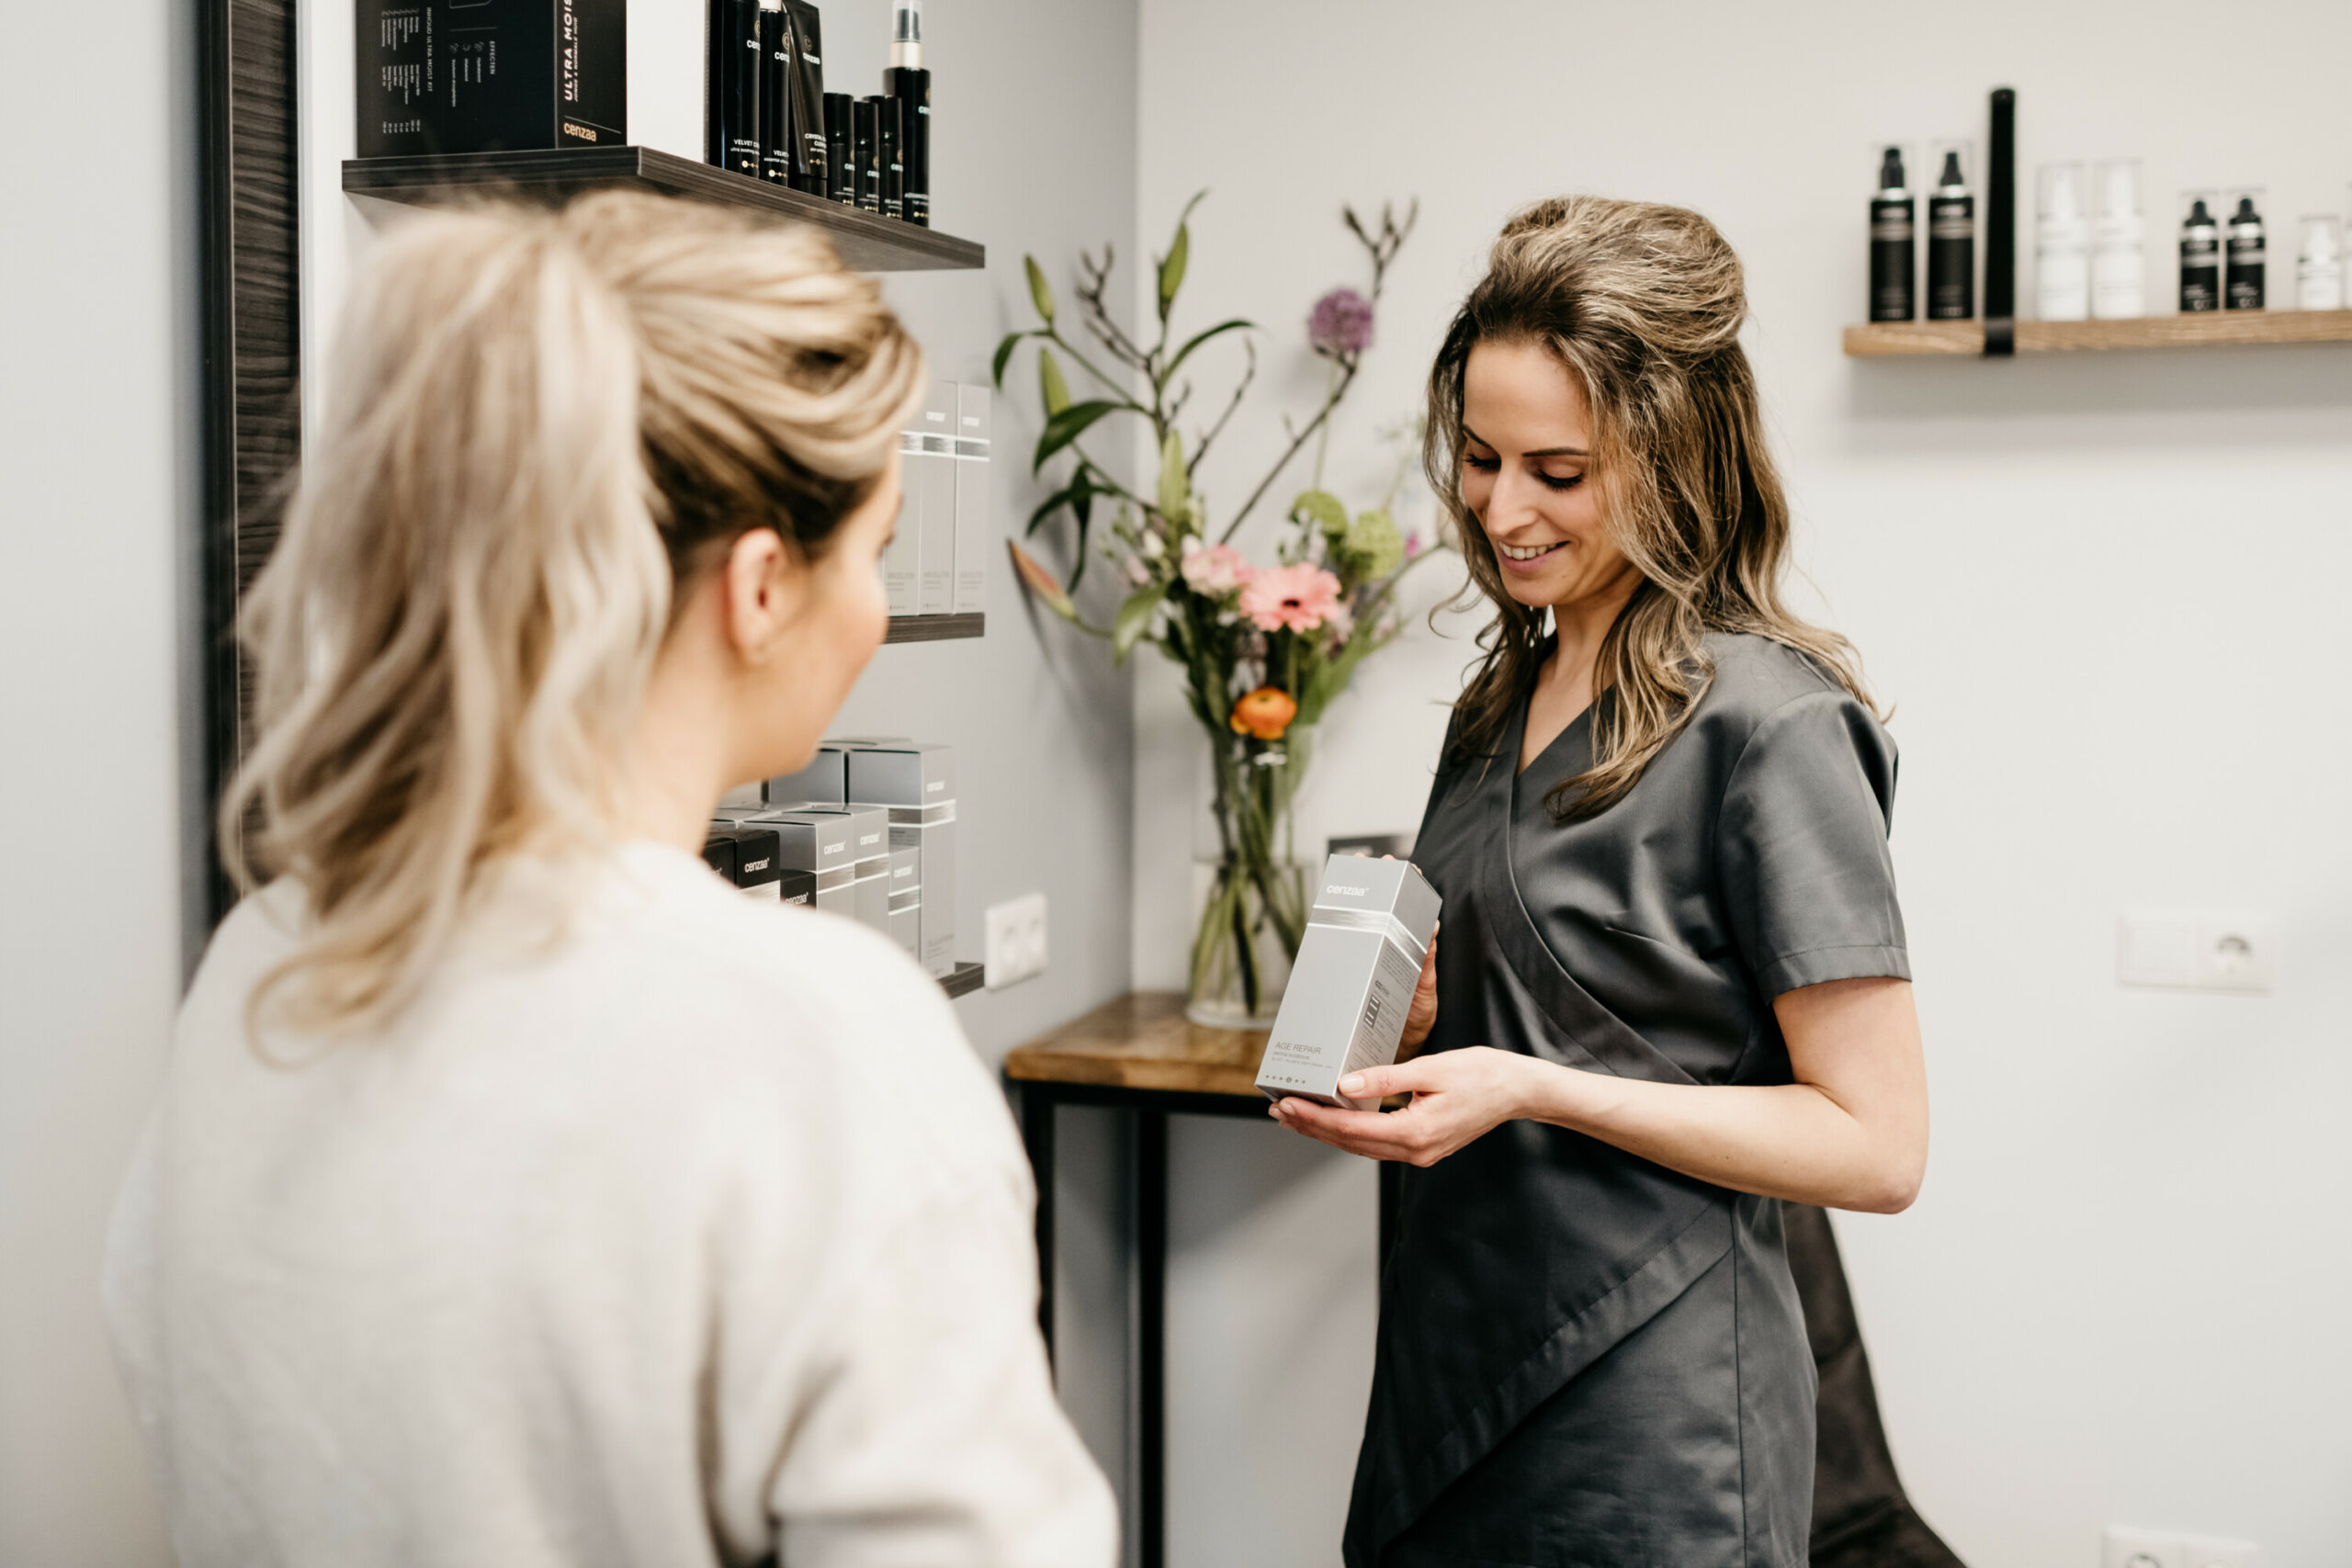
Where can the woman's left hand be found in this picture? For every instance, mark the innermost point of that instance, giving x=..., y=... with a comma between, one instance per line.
x=1457, y=1096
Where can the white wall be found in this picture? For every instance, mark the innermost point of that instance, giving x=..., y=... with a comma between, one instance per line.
x=2105, y=594
x=98, y=337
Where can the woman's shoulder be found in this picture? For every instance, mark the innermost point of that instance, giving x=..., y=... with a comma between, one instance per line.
x=1755, y=677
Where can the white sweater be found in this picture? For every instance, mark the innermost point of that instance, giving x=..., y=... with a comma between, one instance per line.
x=696, y=1236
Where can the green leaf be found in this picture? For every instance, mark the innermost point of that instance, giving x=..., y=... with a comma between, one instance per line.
x=1179, y=250
x=1004, y=355
x=1171, y=270
x=1324, y=510
x=1067, y=427
x=1135, y=616
x=1041, y=294
x=1050, y=385
x=1196, y=340
x=1175, y=484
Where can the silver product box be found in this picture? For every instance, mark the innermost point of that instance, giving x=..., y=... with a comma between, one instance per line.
x=906, y=900
x=972, y=417
x=930, y=832
x=869, y=850
x=1345, y=1007
x=902, y=562
x=935, y=517
x=824, y=781
x=903, y=774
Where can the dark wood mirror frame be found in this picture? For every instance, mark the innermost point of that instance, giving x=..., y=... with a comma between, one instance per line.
x=251, y=262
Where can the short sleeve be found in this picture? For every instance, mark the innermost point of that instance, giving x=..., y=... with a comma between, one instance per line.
x=1807, y=883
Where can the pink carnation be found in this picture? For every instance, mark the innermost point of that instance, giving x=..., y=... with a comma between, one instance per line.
x=1215, y=570
x=1299, y=597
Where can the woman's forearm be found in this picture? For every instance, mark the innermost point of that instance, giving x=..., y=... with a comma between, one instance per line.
x=1784, y=1141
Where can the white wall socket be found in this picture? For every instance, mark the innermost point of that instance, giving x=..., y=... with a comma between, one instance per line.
x=2193, y=949
x=1016, y=941
x=2125, y=1546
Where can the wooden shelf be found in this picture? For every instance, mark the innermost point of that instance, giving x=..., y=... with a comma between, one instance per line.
x=963, y=980
x=935, y=628
x=2205, y=329
x=867, y=241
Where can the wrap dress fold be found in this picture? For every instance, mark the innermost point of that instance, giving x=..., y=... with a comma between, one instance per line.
x=1586, y=1359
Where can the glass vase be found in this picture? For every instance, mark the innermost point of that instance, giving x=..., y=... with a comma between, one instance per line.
x=1253, y=908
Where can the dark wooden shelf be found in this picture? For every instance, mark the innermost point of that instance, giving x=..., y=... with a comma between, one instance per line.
x=963, y=980
x=935, y=628
x=867, y=241
x=2209, y=328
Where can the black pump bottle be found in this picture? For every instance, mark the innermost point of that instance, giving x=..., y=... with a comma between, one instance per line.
x=1893, y=244
x=2200, y=262
x=907, y=82
x=2242, y=282
x=1951, y=246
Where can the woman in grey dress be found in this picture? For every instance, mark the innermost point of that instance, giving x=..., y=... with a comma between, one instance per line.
x=1671, y=987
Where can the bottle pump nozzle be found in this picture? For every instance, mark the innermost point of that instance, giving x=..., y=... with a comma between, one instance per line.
x=1890, y=170
x=1951, y=178
x=906, y=34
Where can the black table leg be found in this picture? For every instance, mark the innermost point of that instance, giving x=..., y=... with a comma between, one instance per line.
x=1151, y=1335
x=1037, y=1135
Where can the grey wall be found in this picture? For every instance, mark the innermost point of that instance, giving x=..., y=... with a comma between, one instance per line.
x=96, y=496
x=2105, y=594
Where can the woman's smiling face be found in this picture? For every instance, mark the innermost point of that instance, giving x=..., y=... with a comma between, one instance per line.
x=1526, y=444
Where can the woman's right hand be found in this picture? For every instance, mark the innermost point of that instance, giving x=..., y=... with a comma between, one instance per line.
x=1422, y=1017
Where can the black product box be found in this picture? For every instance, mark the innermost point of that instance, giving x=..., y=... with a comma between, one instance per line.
x=484, y=75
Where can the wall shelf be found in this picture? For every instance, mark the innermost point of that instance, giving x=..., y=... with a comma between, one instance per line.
x=935, y=628
x=963, y=980
x=2207, y=329
x=867, y=241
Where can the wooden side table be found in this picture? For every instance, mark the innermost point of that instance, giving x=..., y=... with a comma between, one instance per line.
x=1140, y=1055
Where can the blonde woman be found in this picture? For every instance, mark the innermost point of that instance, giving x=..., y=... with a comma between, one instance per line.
x=1672, y=988
x=521, y=1195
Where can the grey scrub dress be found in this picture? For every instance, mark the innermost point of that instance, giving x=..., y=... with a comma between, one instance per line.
x=1586, y=1359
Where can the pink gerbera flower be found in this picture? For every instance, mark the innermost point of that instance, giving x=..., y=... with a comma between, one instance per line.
x=1299, y=598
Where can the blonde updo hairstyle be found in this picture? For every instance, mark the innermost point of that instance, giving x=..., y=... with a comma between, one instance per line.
x=1642, y=305
x=542, y=426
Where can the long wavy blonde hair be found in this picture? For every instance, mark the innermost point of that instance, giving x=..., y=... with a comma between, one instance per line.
x=541, y=425
x=1642, y=304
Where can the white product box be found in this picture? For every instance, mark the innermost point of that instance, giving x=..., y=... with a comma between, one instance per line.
x=1344, y=1007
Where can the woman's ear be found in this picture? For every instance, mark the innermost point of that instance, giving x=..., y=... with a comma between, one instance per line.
x=762, y=589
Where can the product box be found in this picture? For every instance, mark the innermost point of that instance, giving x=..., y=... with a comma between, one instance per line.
x=906, y=901
x=399, y=72
x=905, y=774
x=756, y=867
x=930, y=832
x=492, y=74
x=824, y=781
x=797, y=887
x=719, y=855
x=902, y=557
x=869, y=838
x=1344, y=1007
x=819, y=843
x=936, y=547
x=972, y=418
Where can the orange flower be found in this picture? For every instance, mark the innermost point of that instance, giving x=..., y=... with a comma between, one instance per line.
x=1264, y=712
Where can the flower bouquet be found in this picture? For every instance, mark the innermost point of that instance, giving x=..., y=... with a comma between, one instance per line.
x=1263, y=648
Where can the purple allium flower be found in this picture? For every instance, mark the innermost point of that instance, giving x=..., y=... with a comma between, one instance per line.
x=1340, y=324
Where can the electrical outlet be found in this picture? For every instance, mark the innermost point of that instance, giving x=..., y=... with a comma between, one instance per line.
x=2125, y=1546
x=1016, y=941
x=2226, y=950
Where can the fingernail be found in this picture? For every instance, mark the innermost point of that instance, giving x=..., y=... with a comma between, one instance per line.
x=1351, y=1084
